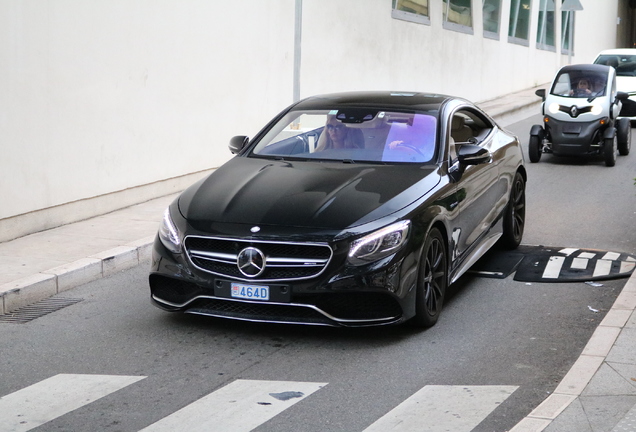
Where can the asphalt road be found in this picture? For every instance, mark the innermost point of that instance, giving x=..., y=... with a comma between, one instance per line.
x=503, y=343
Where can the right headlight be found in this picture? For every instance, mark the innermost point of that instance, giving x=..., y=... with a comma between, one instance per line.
x=169, y=234
x=379, y=244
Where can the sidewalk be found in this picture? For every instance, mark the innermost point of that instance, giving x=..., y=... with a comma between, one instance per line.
x=597, y=394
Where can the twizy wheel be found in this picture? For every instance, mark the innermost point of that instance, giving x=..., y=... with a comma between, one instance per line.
x=609, y=151
x=624, y=132
x=432, y=280
x=515, y=215
x=534, y=148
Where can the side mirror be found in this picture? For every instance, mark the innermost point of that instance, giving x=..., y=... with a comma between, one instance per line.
x=622, y=96
x=541, y=94
x=471, y=154
x=238, y=143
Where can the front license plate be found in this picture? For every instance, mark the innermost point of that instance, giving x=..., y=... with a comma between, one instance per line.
x=251, y=292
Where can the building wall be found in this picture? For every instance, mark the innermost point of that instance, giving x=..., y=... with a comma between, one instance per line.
x=105, y=103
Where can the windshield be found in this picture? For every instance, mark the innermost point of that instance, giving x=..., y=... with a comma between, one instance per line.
x=625, y=65
x=579, y=84
x=356, y=135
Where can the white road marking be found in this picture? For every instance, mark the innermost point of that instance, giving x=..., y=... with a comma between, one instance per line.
x=35, y=405
x=553, y=268
x=443, y=408
x=579, y=263
x=587, y=255
x=568, y=251
x=603, y=268
x=611, y=256
x=627, y=266
x=238, y=407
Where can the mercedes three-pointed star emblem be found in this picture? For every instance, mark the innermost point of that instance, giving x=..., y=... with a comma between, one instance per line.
x=251, y=262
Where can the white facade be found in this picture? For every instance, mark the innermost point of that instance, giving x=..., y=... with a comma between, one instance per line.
x=106, y=103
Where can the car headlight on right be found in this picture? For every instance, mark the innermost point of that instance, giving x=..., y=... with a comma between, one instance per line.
x=597, y=109
x=169, y=234
x=379, y=244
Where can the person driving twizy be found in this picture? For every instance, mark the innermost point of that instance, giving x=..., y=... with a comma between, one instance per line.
x=580, y=116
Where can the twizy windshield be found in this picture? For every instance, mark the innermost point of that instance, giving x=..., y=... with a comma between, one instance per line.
x=356, y=134
x=580, y=84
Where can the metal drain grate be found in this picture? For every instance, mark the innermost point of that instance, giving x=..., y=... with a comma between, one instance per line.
x=36, y=310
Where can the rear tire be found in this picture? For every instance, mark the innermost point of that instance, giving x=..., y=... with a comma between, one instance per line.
x=609, y=151
x=534, y=148
x=515, y=215
x=624, y=131
x=432, y=281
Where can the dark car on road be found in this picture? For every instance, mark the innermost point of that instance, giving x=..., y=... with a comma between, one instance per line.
x=348, y=209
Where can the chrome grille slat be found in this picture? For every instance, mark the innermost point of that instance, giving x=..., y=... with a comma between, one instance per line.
x=285, y=261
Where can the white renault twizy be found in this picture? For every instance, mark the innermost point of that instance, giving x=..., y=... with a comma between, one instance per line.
x=580, y=116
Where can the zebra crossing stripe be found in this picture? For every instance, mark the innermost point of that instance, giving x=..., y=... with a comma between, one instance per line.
x=443, y=408
x=35, y=405
x=238, y=407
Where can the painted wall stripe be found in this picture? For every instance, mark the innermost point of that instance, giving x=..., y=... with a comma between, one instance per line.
x=238, y=407
x=443, y=408
x=35, y=405
x=603, y=268
x=553, y=268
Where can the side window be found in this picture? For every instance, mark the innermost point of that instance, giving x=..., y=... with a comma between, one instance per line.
x=468, y=127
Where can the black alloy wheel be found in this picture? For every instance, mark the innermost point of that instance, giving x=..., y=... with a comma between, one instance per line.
x=515, y=214
x=432, y=281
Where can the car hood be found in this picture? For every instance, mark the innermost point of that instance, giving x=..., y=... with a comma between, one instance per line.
x=303, y=194
x=626, y=84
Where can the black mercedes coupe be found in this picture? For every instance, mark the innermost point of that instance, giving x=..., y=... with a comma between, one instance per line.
x=347, y=209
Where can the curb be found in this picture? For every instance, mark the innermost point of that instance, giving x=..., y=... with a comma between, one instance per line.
x=588, y=363
x=31, y=289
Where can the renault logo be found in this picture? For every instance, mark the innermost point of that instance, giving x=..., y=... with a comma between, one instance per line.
x=251, y=262
x=574, y=111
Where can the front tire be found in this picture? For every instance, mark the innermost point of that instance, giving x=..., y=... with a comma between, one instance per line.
x=534, y=148
x=609, y=151
x=432, y=281
x=624, y=131
x=515, y=215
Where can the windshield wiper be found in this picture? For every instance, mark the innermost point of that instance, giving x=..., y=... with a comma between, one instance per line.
x=348, y=161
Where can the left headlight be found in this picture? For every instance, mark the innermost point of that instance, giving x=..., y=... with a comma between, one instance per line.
x=169, y=234
x=379, y=244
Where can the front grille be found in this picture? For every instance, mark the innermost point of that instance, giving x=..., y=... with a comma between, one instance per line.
x=283, y=260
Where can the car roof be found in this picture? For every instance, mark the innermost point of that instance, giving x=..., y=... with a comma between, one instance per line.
x=618, y=51
x=377, y=99
x=585, y=68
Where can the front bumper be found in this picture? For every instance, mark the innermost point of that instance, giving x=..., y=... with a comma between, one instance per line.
x=384, y=295
x=575, y=138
